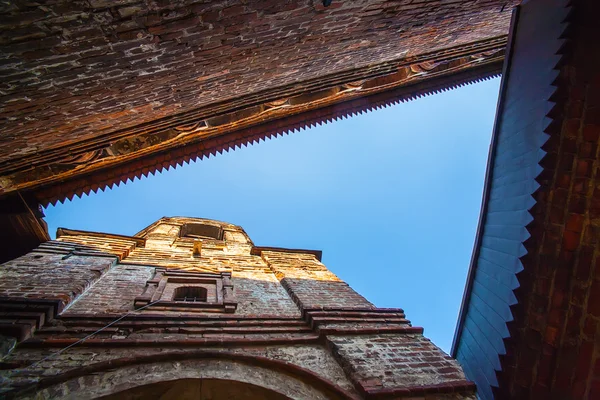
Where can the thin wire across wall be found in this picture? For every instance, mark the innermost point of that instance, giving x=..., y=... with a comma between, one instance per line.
x=59, y=352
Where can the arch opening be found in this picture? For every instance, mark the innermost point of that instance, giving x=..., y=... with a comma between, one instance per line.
x=197, y=389
x=203, y=375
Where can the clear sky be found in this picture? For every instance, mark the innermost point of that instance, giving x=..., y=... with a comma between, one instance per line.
x=392, y=197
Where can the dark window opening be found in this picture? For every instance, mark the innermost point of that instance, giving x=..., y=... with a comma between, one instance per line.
x=201, y=231
x=191, y=294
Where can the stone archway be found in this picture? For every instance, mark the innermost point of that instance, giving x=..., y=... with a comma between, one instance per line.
x=174, y=376
x=197, y=389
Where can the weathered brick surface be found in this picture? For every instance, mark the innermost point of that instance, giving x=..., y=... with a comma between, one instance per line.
x=235, y=378
x=261, y=294
x=415, y=362
x=258, y=291
x=61, y=276
x=97, y=95
x=74, y=70
x=314, y=357
x=311, y=284
x=59, y=180
x=338, y=347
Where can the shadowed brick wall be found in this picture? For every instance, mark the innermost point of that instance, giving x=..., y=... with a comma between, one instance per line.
x=415, y=360
x=73, y=70
x=54, y=273
x=116, y=90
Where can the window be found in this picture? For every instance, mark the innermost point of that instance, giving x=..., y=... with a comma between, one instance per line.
x=175, y=290
x=190, y=293
x=201, y=231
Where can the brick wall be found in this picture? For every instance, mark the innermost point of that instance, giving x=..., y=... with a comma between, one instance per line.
x=417, y=364
x=260, y=293
x=256, y=288
x=114, y=292
x=36, y=287
x=175, y=365
x=100, y=93
x=311, y=284
x=78, y=70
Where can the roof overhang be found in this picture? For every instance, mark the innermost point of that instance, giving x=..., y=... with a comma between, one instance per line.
x=113, y=93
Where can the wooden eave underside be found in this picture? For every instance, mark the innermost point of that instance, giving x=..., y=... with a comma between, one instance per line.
x=491, y=313
x=391, y=85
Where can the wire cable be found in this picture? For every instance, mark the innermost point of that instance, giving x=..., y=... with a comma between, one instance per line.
x=88, y=336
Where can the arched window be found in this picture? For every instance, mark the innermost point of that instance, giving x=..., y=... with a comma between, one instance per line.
x=190, y=293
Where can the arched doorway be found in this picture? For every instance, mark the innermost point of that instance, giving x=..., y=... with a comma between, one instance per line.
x=194, y=375
x=197, y=389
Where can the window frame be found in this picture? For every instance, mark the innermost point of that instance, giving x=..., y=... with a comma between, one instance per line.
x=159, y=291
x=214, y=232
x=202, y=294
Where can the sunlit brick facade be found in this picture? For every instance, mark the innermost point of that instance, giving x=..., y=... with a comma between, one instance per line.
x=206, y=314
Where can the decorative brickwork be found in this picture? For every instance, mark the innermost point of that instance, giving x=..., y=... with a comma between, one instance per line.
x=89, y=87
x=298, y=331
x=60, y=275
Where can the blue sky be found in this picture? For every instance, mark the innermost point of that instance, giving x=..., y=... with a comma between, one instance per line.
x=392, y=198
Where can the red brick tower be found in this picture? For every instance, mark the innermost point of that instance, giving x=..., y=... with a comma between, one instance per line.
x=98, y=92
x=190, y=308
